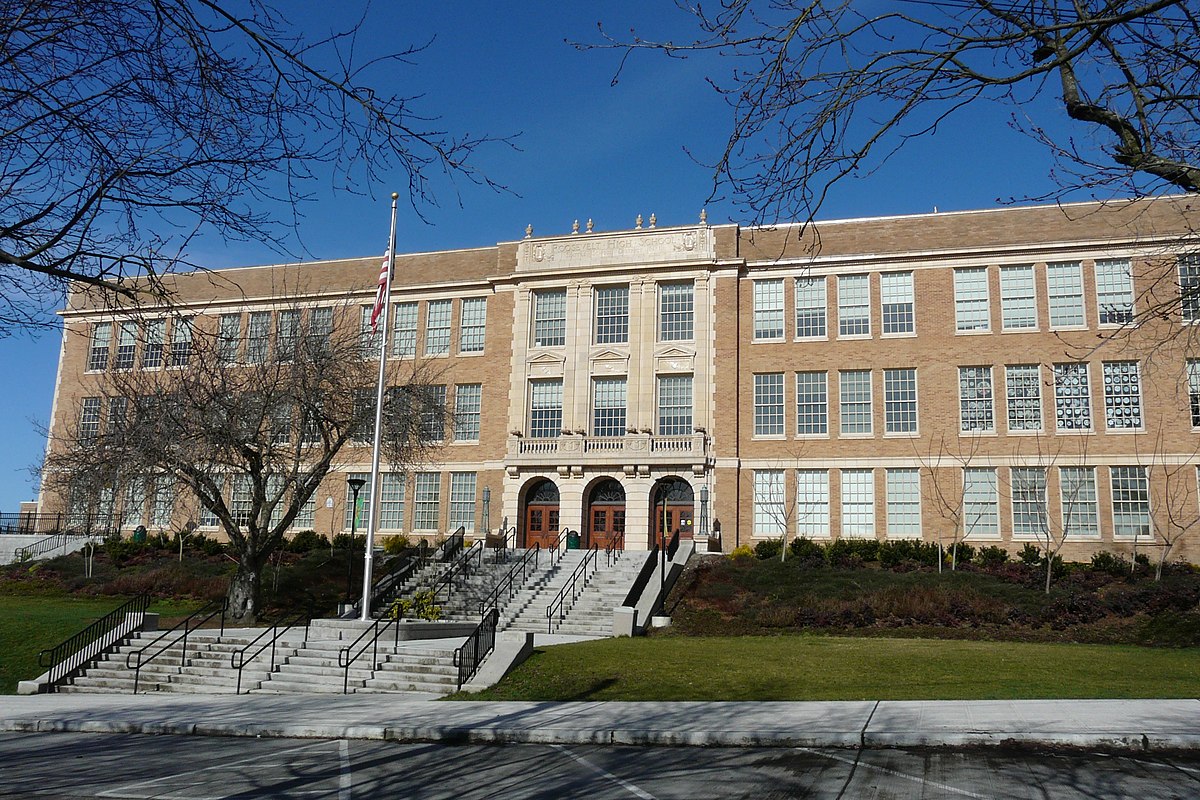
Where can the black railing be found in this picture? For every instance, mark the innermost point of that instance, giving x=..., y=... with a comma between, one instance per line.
x=643, y=578
x=616, y=546
x=399, y=570
x=67, y=658
x=26, y=524
x=239, y=658
x=475, y=649
x=189, y=624
x=467, y=563
x=576, y=584
x=453, y=545
x=346, y=658
x=508, y=584
x=50, y=544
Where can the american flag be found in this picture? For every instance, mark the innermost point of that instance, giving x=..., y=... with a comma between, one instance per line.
x=383, y=282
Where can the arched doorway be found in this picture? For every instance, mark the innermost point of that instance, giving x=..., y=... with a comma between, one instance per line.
x=606, y=514
x=541, y=514
x=672, y=509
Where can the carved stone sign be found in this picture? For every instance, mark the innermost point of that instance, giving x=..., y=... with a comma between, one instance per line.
x=617, y=249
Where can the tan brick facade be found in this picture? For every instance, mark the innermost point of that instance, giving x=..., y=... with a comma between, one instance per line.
x=617, y=363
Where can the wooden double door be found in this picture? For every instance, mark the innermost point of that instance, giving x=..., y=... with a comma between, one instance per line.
x=541, y=524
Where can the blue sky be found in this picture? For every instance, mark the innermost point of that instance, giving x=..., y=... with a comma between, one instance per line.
x=586, y=149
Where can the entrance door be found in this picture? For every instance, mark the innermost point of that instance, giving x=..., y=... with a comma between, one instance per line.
x=541, y=515
x=606, y=515
x=672, y=510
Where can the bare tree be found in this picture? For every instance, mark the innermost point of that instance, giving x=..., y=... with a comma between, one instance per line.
x=1179, y=509
x=248, y=429
x=132, y=126
x=825, y=89
x=947, y=489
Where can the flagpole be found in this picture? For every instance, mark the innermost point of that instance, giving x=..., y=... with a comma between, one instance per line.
x=373, y=497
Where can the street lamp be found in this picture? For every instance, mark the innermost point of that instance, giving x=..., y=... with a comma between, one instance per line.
x=355, y=485
x=704, y=515
x=487, y=509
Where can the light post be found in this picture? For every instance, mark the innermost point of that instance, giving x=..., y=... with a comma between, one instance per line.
x=487, y=509
x=704, y=516
x=355, y=485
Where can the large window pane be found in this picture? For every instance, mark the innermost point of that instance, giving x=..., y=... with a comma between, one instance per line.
x=972, y=311
x=812, y=503
x=1023, y=385
x=858, y=503
x=810, y=308
x=768, y=309
x=1018, y=302
x=612, y=314
x=437, y=327
x=854, y=305
x=900, y=400
x=675, y=405
x=904, y=503
x=550, y=318
x=975, y=399
x=856, y=401
x=474, y=325
x=676, y=310
x=1072, y=397
x=812, y=404
x=769, y=516
x=768, y=404
x=1064, y=285
x=545, y=408
x=608, y=407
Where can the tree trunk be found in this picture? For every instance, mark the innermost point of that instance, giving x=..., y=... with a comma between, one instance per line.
x=244, y=591
x=1049, y=569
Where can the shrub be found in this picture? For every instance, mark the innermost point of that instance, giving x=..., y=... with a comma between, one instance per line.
x=423, y=605
x=1109, y=564
x=343, y=541
x=991, y=556
x=768, y=549
x=121, y=550
x=1030, y=555
x=743, y=551
x=395, y=545
x=895, y=552
x=205, y=544
x=807, y=550
x=846, y=552
x=306, y=542
x=964, y=553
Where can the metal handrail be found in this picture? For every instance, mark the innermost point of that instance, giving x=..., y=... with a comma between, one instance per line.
x=577, y=577
x=475, y=649
x=345, y=659
x=508, y=580
x=67, y=657
x=209, y=611
x=461, y=566
x=400, y=569
x=616, y=546
x=238, y=658
x=51, y=542
x=453, y=544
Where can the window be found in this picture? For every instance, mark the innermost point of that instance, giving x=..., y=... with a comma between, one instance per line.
x=363, y=409
x=675, y=405
x=904, y=503
x=812, y=404
x=769, y=516
x=162, y=503
x=1130, y=502
x=676, y=311
x=810, y=308
x=433, y=413
x=126, y=345
x=1080, y=508
x=229, y=336
x=1029, y=501
x=768, y=309
x=1122, y=396
x=971, y=302
x=462, y=501
x=437, y=327
x=608, y=407
x=152, y=349
x=474, y=325
x=854, y=305
x=405, y=330
x=545, y=408
x=258, y=337
x=426, y=497
x=467, y=406
x=89, y=420
x=858, y=503
x=287, y=333
x=1018, y=303
x=368, y=340
x=981, y=515
x=1072, y=397
x=241, y=500
x=1023, y=385
x=856, y=402
x=896, y=299
x=364, y=502
x=768, y=404
x=320, y=328
x=181, y=342
x=118, y=413
x=101, y=339
x=1193, y=375
x=1189, y=287
x=391, y=501
x=1114, y=291
x=208, y=519
x=281, y=422
x=1064, y=289
x=550, y=318
x=812, y=503
x=975, y=399
x=135, y=500
x=305, y=516
x=900, y=400
x=612, y=314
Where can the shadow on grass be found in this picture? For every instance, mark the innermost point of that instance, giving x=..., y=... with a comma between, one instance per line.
x=590, y=692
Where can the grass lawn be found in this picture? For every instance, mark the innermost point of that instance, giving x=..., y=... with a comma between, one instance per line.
x=809, y=667
x=32, y=622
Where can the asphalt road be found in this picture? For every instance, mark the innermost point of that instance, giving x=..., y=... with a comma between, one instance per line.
x=61, y=765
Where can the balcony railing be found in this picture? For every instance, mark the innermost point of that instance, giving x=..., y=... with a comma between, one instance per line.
x=639, y=444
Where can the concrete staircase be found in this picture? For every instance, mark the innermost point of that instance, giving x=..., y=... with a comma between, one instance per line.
x=591, y=613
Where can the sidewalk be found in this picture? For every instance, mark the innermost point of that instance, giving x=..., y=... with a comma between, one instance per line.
x=1124, y=725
